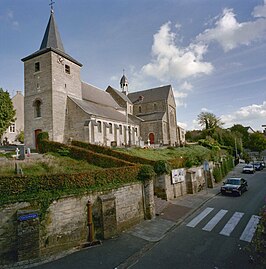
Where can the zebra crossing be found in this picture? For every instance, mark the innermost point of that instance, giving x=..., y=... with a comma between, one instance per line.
x=231, y=224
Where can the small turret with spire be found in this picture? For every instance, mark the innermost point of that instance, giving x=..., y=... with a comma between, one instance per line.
x=124, y=83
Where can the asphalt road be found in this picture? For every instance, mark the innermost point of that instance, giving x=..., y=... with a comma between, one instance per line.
x=211, y=237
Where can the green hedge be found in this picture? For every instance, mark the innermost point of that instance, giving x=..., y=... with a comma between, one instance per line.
x=98, y=159
x=110, y=152
x=219, y=172
x=33, y=188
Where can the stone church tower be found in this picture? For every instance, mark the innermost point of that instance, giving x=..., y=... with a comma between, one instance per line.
x=50, y=75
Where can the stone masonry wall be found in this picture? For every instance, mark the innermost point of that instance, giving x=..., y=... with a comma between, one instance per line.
x=65, y=223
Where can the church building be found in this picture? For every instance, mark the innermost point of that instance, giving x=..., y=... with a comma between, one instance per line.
x=59, y=102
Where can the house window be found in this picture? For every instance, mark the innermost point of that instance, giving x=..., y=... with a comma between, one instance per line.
x=99, y=126
x=67, y=69
x=37, y=67
x=139, y=109
x=12, y=128
x=136, y=131
x=120, y=129
x=37, y=109
x=110, y=128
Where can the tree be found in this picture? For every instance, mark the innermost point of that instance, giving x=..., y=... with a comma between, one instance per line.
x=208, y=120
x=240, y=129
x=7, y=112
x=257, y=142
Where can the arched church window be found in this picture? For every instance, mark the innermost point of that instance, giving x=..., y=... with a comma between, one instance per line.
x=37, y=109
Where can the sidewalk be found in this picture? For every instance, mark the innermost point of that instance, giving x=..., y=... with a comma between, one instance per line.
x=125, y=250
x=174, y=212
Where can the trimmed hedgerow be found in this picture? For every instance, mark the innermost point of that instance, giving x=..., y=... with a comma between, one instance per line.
x=78, y=153
x=110, y=152
x=42, y=190
x=219, y=172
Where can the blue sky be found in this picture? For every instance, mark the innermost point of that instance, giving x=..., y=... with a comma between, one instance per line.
x=212, y=52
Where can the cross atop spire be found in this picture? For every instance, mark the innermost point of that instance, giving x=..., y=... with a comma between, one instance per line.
x=52, y=6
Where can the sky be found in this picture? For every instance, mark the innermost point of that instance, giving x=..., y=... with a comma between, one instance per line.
x=212, y=52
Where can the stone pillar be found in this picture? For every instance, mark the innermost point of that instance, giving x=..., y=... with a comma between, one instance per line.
x=28, y=229
x=148, y=196
x=109, y=223
x=191, y=182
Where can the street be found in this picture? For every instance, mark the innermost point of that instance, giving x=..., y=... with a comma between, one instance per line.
x=215, y=236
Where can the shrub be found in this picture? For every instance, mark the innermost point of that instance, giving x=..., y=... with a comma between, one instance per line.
x=146, y=172
x=162, y=167
x=217, y=174
x=41, y=137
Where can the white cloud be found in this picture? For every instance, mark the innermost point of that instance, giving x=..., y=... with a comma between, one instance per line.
x=204, y=109
x=260, y=11
x=172, y=62
x=8, y=17
x=186, y=86
x=230, y=33
x=246, y=114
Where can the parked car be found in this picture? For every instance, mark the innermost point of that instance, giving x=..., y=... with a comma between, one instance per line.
x=258, y=166
x=262, y=164
x=234, y=186
x=248, y=169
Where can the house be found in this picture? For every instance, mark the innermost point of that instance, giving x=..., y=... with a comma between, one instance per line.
x=10, y=135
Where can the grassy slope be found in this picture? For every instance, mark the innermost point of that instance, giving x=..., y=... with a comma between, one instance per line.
x=168, y=154
x=49, y=164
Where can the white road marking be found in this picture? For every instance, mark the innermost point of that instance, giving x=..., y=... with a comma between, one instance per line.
x=250, y=229
x=200, y=217
x=213, y=222
x=231, y=224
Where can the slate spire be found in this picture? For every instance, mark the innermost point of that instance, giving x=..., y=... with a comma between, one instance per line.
x=52, y=37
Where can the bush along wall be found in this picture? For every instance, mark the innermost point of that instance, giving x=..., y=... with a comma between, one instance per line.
x=110, y=152
x=78, y=153
x=222, y=169
x=43, y=189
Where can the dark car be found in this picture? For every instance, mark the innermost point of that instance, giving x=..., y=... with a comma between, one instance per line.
x=258, y=166
x=234, y=186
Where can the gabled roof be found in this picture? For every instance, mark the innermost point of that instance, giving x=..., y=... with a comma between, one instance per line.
x=151, y=95
x=153, y=116
x=98, y=96
x=120, y=94
x=100, y=110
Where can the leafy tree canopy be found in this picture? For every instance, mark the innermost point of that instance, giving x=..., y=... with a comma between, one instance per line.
x=257, y=142
x=209, y=121
x=240, y=129
x=7, y=112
